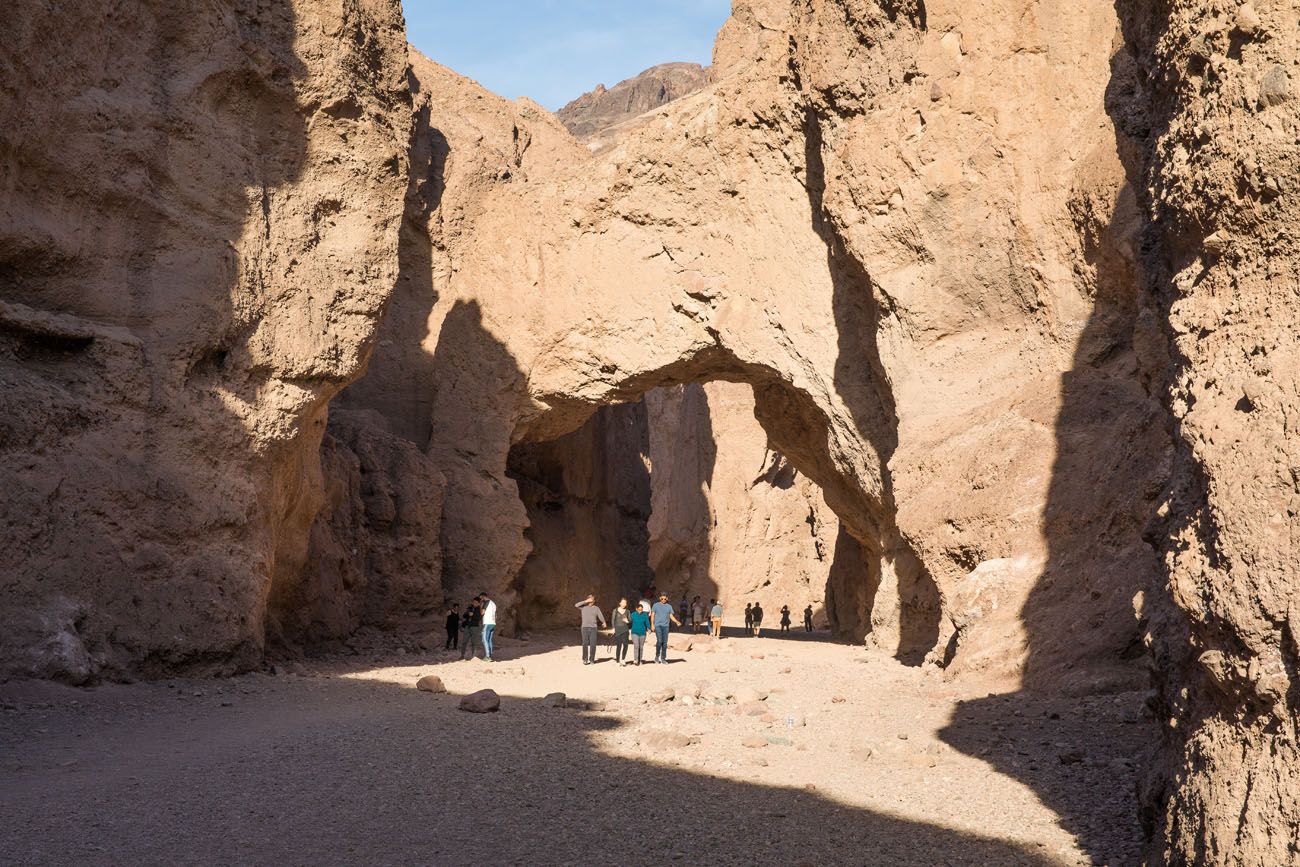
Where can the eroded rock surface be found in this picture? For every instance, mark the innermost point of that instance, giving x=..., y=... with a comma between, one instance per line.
x=197, y=235
x=602, y=108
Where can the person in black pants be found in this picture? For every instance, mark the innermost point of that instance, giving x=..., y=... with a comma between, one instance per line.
x=453, y=628
x=592, y=620
x=757, y=614
x=785, y=618
x=807, y=619
x=622, y=620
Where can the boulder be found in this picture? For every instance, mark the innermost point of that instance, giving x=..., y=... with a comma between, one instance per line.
x=663, y=695
x=754, y=742
x=748, y=694
x=661, y=740
x=483, y=701
x=430, y=683
x=555, y=699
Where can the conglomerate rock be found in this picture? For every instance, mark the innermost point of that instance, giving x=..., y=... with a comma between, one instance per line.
x=198, y=223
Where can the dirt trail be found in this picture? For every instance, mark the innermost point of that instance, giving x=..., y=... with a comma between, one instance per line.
x=862, y=761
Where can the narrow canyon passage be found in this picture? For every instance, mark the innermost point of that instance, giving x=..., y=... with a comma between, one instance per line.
x=741, y=751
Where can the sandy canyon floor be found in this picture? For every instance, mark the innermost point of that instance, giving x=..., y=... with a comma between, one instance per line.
x=852, y=758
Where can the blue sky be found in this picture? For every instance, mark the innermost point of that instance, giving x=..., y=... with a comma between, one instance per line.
x=555, y=50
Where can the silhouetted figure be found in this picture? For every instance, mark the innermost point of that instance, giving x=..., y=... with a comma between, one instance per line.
x=749, y=616
x=757, y=614
x=715, y=617
x=453, y=628
x=785, y=618
x=471, y=623
x=807, y=619
x=621, y=618
x=682, y=609
x=592, y=620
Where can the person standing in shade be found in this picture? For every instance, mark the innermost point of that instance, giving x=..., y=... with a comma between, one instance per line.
x=661, y=617
x=785, y=618
x=758, y=619
x=639, y=626
x=592, y=620
x=807, y=619
x=453, y=628
x=472, y=623
x=489, y=625
x=749, y=616
x=699, y=616
x=715, y=617
x=622, y=620
x=682, y=609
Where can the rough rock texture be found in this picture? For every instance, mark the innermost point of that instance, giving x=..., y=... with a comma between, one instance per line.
x=731, y=519
x=1213, y=101
x=198, y=225
x=603, y=108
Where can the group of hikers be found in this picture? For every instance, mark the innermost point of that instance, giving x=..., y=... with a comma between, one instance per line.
x=476, y=625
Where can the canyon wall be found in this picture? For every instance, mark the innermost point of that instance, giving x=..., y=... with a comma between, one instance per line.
x=1213, y=101
x=198, y=227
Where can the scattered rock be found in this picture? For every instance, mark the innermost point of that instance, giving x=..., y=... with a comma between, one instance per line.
x=659, y=740
x=663, y=695
x=779, y=742
x=838, y=699
x=680, y=642
x=483, y=701
x=430, y=683
x=1248, y=21
x=753, y=708
x=1275, y=88
x=757, y=656
x=1070, y=757
x=748, y=694
x=754, y=742
x=861, y=754
x=555, y=699
x=786, y=670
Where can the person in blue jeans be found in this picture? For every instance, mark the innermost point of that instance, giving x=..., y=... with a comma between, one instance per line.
x=489, y=624
x=662, y=616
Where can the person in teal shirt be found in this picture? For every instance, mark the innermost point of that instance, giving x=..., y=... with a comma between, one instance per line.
x=640, y=628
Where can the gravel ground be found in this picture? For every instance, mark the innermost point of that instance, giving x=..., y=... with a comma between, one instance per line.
x=850, y=759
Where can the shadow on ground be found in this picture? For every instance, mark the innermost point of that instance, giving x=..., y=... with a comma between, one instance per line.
x=338, y=771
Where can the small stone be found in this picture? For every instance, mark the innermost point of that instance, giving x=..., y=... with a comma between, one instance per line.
x=1275, y=88
x=555, y=699
x=768, y=718
x=861, y=754
x=780, y=742
x=430, y=683
x=838, y=699
x=785, y=670
x=1248, y=20
x=748, y=695
x=663, y=695
x=754, y=708
x=667, y=740
x=754, y=742
x=1071, y=757
x=483, y=701
x=757, y=656
x=1218, y=243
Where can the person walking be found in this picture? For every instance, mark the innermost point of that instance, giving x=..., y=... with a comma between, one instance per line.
x=453, y=628
x=622, y=619
x=715, y=617
x=785, y=618
x=758, y=619
x=807, y=619
x=749, y=616
x=639, y=626
x=472, y=623
x=592, y=620
x=662, y=617
x=699, y=616
x=489, y=624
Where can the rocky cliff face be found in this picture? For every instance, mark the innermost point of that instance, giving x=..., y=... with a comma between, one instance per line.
x=1213, y=102
x=600, y=109
x=197, y=235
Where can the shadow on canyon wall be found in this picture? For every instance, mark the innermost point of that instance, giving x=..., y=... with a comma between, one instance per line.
x=346, y=770
x=117, y=438
x=1112, y=461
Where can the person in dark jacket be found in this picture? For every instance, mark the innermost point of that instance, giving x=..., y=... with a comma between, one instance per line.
x=749, y=616
x=453, y=628
x=592, y=620
x=757, y=614
x=807, y=619
x=621, y=617
x=785, y=618
x=472, y=624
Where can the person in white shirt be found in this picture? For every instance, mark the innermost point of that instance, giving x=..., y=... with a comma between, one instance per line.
x=489, y=624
